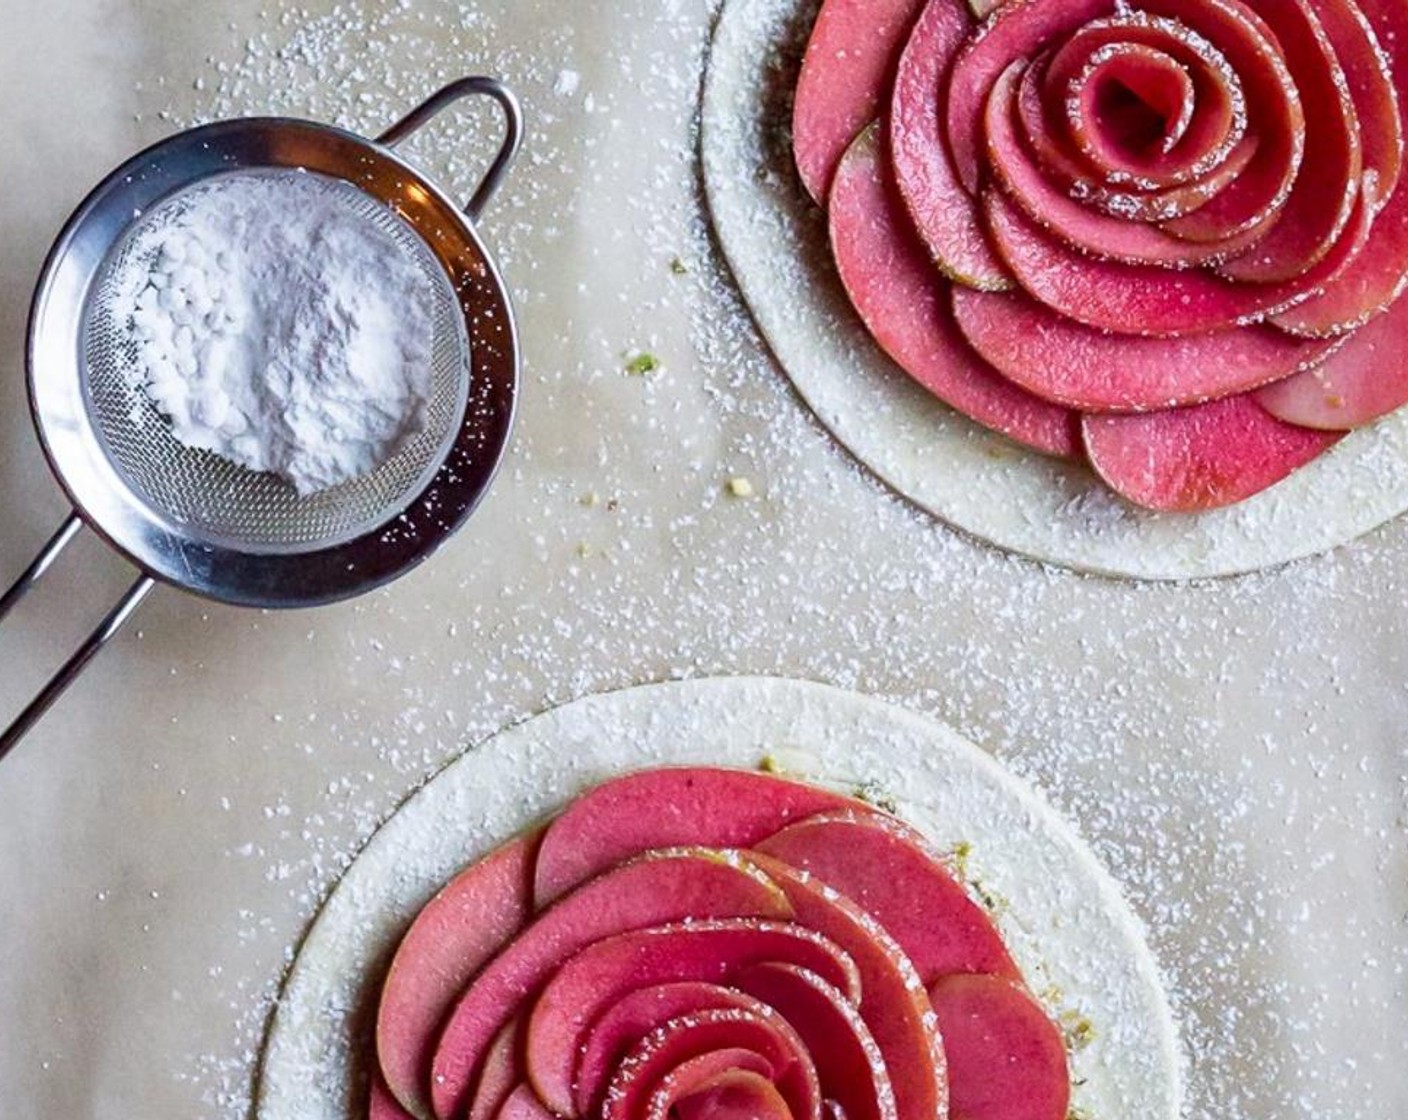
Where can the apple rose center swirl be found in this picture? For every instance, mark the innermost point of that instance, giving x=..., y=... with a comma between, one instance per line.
x=821, y=970
x=1195, y=201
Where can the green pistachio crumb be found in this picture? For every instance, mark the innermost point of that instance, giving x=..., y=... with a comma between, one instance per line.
x=873, y=793
x=1079, y=1030
x=642, y=363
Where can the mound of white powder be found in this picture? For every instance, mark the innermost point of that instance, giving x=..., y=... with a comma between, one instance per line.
x=274, y=325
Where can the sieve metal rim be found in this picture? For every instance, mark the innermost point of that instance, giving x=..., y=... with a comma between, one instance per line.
x=222, y=570
x=102, y=501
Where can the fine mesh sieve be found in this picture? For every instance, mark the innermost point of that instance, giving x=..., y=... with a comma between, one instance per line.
x=197, y=521
x=213, y=498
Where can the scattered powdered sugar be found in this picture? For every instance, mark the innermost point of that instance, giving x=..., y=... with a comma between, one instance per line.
x=274, y=324
x=1232, y=749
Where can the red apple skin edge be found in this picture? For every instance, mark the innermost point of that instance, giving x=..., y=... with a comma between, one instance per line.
x=846, y=77
x=1007, y=1059
x=452, y=937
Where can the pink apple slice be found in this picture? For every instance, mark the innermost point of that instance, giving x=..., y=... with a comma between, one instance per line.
x=889, y=870
x=1375, y=279
x=1082, y=227
x=1275, y=117
x=708, y=952
x=903, y=304
x=1095, y=371
x=784, y=1059
x=737, y=1095
x=711, y=807
x=632, y=1018
x=1200, y=166
x=452, y=937
x=1199, y=458
x=849, y=1064
x=1326, y=190
x=1007, y=1060
x=1146, y=299
x=1017, y=30
x=845, y=80
x=1366, y=379
x=523, y=1104
x=663, y=886
x=1217, y=124
x=501, y=1073
x=893, y=1004
x=1130, y=104
x=382, y=1105
x=944, y=215
x=1370, y=81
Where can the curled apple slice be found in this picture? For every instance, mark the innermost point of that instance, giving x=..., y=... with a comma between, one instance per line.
x=714, y=808
x=1095, y=371
x=382, y=1105
x=1007, y=1060
x=707, y=952
x=1084, y=228
x=736, y=1095
x=1198, y=458
x=1326, y=190
x=1365, y=379
x=500, y=1073
x=944, y=214
x=845, y=80
x=1145, y=299
x=686, y=1054
x=523, y=1104
x=903, y=304
x=452, y=937
x=663, y=886
x=1018, y=30
x=884, y=866
x=893, y=1004
x=850, y=1067
x=630, y=1020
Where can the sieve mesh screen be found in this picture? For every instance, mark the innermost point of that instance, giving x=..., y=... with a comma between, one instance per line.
x=207, y=497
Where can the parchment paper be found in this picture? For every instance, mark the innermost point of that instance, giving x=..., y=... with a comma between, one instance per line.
x=1235, y=750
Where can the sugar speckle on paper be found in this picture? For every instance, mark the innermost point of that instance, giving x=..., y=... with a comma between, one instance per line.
x=1198, y=736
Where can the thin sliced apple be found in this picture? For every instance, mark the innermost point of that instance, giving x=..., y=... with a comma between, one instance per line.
x=845, y=81
x=1007, y=1060
x=849, y=1065
x=627, y=1022
x=1366, y=379
x=501, y=1073
x=1145, y=299
x=663, y=886
x=523, y=1104
x=663, y=808
x=1018, y=30
x=893, y=1004
x=708, y=952
x=382, y=1105
x=903, y=304
x=889, y=870
x=452, y=937
x=737, y=1095
x=1326, y=191
x=687, y=1053
x=1084, y=228
x=1199, y=458
x=1095, y=371
x=944, y=215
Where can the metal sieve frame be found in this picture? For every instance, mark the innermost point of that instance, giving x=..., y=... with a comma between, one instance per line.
x=217, y=569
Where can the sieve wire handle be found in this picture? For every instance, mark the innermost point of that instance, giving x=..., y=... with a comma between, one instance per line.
x=81, y=656
x=456, y=91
